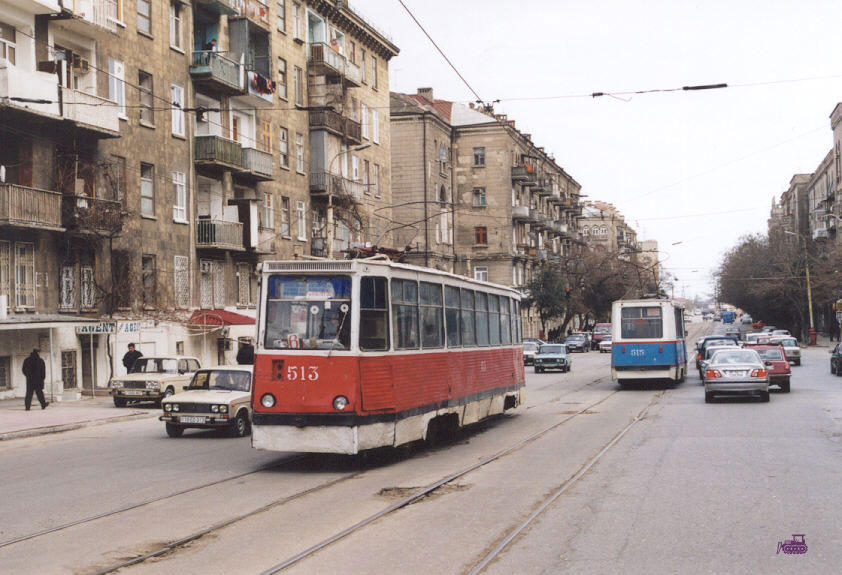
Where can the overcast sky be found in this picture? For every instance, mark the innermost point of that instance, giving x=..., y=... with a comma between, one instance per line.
x=700, y=168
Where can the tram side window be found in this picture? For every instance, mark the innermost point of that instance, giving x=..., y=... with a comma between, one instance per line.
x=493, y=319
x=517, y=328
x=641, y=323
x=469, y=336
x=432, y=320
x=505, y=321
x=482, y=318
x=374, y=314
x=405, y=314
x=679, y=323
x=451, y=316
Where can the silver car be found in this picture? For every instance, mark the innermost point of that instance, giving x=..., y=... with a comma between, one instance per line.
x=791, y=349
x=736, y=371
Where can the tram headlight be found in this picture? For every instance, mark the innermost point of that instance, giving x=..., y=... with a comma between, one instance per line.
x=340, y=402
x=267, y=400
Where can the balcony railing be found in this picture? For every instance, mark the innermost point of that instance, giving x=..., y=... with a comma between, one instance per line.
x=353, y=74
x=820, y=234
x=88, y=214
x=524, y=174
x=30, y=207
x=257, y=11
x=258, y=163
x=220, y=235
x=228, y=7
x=218, y=70
x=520, y=213
x=324, y=183
x=218, y=151
x=542, y=255
x=30, y=85
x=337, y=124
x=92, y=111
x=327, y=61
x=101, y=13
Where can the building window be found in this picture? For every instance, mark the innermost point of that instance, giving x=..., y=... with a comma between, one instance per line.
x=67, y=295
x=481, y=273
x=481, y=236
x=281, y=15
x=147, y=189
x=283, y=148
x=181, y=281
x=148, y=278
x=364, y=72
x=8, y=43
x=6, y=270
x=282, y=79
x=87, y=284
x=352, y=52
x=266, y=136
x=176, y=36
x=298, y=85
x=375, y=126
x=5, y=373
x=366, y=177
x=296, y=20
x=479, y=197
x=479, y=157
x=117, y=85
x=115, y=178
x=177, y=99
x=24, y=275
x=299, y=152
x=179, y=208
x=268, y=211
x=144, y=16
x=244, y=284
x=374, y=72
x=355, y=168
x=364, y=120
x=302, y=221
x=285, y=217
x=144, y=81
x=68, y=369
x=376, y=182
x=212, y=284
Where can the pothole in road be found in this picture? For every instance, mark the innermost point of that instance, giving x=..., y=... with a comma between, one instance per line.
x=402, y=492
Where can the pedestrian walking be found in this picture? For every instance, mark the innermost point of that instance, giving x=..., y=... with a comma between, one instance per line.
x=246, y=354
x=130, y=358
x=35, y=371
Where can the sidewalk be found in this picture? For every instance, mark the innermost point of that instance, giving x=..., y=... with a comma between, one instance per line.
x=16, y=422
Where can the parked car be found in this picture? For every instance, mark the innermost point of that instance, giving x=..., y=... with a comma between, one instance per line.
x=791, y=349
x=735, y=370
x=605, y=344
x=781, y=332
x=530, y=348
x=768, y=329
x=577, y=342
x=836, y=360
x=746, y=319
x=153, y=378
x=600, y=331
x=534, y=340
x=777, y=366
x=218, y=397
x=758, y=324
x=552, y=356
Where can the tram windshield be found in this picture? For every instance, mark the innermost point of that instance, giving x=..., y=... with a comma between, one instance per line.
x=308, y=312
x=642, y=323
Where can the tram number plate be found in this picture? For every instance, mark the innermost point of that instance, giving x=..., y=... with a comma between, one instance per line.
x=189, y=419
x=133, y=392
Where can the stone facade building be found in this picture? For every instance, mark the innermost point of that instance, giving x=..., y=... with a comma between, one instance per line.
x=154, y=152
x=605, y=229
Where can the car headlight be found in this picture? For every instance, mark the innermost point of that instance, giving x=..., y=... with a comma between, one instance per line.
x=223, y=409
x=175, y=407
x=215, y=408
x=152, y=385
x=168, y=407
x=117, y=384
x=267, y=400
x=340, y=402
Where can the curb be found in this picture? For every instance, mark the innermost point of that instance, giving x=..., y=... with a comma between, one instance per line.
x=36, y=431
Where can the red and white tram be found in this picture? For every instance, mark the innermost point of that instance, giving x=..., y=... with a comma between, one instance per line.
x=358, y=354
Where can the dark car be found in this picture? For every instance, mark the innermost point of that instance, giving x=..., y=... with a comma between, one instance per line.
x=710, y=338
x=577, y=342
x=777, y=366
x=836, y=360
x=600, y=330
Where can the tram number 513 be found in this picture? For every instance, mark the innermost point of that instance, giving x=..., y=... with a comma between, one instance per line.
x=302, y=373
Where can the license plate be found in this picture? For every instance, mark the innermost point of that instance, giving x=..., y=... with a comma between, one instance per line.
x=132, y=392
x=189, y=419
x=735, y=373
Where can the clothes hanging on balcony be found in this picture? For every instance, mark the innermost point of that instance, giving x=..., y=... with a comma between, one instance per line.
x=261, y=84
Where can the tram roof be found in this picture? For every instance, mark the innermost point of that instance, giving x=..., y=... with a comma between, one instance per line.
x=650, y=301
x=329, y=266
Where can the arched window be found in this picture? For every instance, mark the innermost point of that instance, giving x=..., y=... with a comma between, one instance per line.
x=603, y=231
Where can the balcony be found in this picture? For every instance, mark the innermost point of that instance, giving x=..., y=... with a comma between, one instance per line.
x=29, y=85
x=332, y=184
x=90, y=215
x=820, y=234
x=521, y=213
x=258, y=164
x=91, y=112
x=540, y=221
x=217, y=72
x=261, y=88
x=220, y=7
x=820, y=212
x=336, y=124
x=220, y=235
x=543, y=186
x=256, y=11
x=102, y=14
x=524, y=174
x=542, y=255
x=325, y=61
x=30, y=207
x=218, y=152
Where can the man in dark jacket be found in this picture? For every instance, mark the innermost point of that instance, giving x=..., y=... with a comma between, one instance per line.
x=35, y=371
x=130, y=357
x=246, y=354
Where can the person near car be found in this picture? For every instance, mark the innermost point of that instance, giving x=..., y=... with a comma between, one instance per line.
x=246, y=354
x=35, y=371
x=130, y=358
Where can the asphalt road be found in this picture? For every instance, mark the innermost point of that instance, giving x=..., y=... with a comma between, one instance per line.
x=689, y=488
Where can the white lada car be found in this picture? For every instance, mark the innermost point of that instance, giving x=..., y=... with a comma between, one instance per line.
x=217, y=397
x=153, y=378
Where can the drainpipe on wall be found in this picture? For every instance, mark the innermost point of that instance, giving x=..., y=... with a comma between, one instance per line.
x=426, y=221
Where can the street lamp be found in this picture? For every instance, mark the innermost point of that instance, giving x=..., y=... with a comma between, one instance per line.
x=809, y=291
x=329, y=215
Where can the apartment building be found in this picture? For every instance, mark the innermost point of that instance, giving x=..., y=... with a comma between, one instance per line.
x=155, y=152
x=605, y=229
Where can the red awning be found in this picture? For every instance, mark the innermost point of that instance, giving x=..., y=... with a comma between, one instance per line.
x=219, y=317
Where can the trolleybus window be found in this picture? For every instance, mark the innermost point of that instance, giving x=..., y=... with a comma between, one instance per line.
x=482, y=318
x=405, y=314
x=374, y=314
x=308, y=312
x=432, y=322
x=468, y=318
x=642, y=323
x=451, y=313
x=679, y=323
x=505, y=321
x=515, y=321
x=493, y=319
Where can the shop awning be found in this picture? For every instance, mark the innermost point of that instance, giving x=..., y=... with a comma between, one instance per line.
x=43, y=321
x=219, y=317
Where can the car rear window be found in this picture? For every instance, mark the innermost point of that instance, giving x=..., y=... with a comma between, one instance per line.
x=770, y=354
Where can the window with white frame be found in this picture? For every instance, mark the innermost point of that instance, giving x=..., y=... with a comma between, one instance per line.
x=481, y=273
x=67, y=293
x=5, y=270
x=114, y=10
x=298, y=85
x=355, y=168
x=366, y=170
x=24, y=275
x=117, y=85
x=268, y=211
x=296, y=20
x=479, y=198
x=181, y=281
x=375, y=126
x=283, y=148
x=8, y=43
x=179, y=186
x=146, y=91
x=364, y=72
x=147, y=189
x=87, y=285
x=374, y=72
x=285, y=217
x=244, y=284
x=364, y=118
x=281, y=15
x=177, y=99
x=302, y=221
x=144, y=16
x=299, y=152
x=176, y=34
x=211, y=284
x=282, y=79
